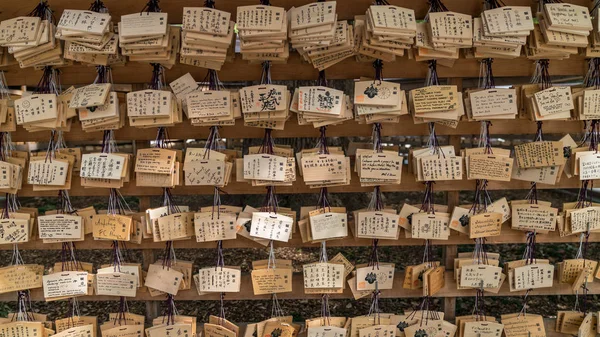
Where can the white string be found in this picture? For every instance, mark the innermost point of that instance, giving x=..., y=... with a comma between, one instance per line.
x=579, y=254
x=54, y=81
x=483, y=134
x=323, y=257
x=122, y=202
x=8, y=145
x=276, y=310
x=4, y=94
x=173, y=255
x=271, y=262
x=482, y=75
x=60, y=141
x=16, y=259
x=537, y=74
x=373, y=202
x=75, y=310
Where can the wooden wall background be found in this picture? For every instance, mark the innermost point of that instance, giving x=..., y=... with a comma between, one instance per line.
x=295, y=69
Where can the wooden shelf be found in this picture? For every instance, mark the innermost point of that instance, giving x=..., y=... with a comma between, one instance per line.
x=408, y=185
x=405, y=127
x=449, y=290
x=297, y=69
x=509, y=236
x=346, y=9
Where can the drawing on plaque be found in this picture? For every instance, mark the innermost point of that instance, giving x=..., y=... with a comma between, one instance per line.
x=371, y=277
x=276, y=332
x=421, y=333
x=325, y=101
x=269, y=100
x=464, y=220
x=248, y=225
x=371, y=91
x=567, y=152
x=401, y=325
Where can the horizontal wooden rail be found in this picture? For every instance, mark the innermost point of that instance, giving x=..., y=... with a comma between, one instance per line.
x=509, y=236
x=408, y=185
x=449, y=290
x=297, y=69
x=405, y=127
x=346, y=9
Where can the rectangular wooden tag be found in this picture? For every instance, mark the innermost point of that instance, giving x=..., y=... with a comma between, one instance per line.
x=271, y=281
x=485, y=225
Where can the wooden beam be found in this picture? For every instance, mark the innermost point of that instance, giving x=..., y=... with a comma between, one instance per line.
x=408, y=185
x=292, y=130
x=449, y=290
x=346, y=9
x=508, y=236
x=297, y=69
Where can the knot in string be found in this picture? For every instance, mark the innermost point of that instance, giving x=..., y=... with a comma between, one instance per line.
x=378, y=65
x=486, y=75
x=98, y=6
x=265, y=77
x=152, y=6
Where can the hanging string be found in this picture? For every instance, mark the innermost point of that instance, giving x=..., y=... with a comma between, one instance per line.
x=11, y=205
x=492, y=4
x=209, y=3
x=267, y=146
x=592, y=77
x=594, y=10
x=323, y=202
x=485, y=140
x=69, y=259
x=98, y=6
x=374, y=309
x=212, y=145
x=377, y=141
x=157, y=82
x=220, y=264
x=276, y=309
x=322, y=141
x=265, y=76
x=169, y=258
x=540, y=76
x=4, y=91
x=43, y=11
x=170, y=310
x=49, y=83
x=325, y=311
x=432, y=75
x=479, y=307
x=265, y=2
x=426, y=310
x=212, y=82
x=486, y=75
x=482, y=198
x=103, y=74
x=152, y=6
x=121, y=316
x=435, y=6
x=584, y=197
x=24, y=311
x=433, y=143
x=376, y=202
